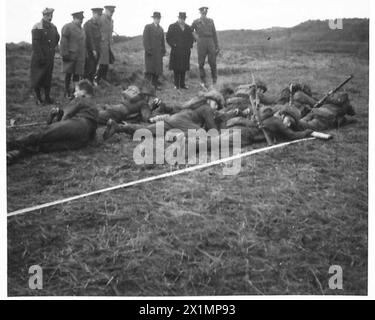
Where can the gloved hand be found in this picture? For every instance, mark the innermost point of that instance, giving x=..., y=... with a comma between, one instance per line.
x=217, y=50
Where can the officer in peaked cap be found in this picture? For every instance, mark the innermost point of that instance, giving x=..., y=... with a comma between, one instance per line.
x=73, y=51
x=93, y=39
x=207, y=44
x=45, y=39
x=110, y=8
x=106, y=55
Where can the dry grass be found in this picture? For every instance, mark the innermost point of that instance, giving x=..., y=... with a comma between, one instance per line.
x=275, y=228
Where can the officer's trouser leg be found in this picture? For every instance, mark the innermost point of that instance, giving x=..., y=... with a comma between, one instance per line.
x=182, y=79
x=202, y=53
x=155, y=79
x=90, y=68
x=68, y=78
x=38, y=94
x=212, y=60
x=46, y=80
x=76, y=78
x=176, y=76
x=148, y=76
x=102, y=72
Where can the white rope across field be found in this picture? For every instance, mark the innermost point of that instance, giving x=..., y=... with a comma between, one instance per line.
x=32, y=124
x=149, y=179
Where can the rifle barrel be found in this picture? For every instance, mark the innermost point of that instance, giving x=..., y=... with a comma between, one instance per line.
x=331, y=92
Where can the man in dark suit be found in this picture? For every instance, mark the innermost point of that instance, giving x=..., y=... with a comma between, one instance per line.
x=180, y=39
x=154, y=45
x=93, y=39
x=45, y=39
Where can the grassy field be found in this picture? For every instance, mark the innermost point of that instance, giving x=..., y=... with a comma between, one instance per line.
x=275, y=228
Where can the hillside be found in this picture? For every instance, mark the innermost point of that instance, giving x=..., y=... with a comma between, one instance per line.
x=315, y=33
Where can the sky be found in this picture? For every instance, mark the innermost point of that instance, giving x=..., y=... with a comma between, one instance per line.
x=131, y=16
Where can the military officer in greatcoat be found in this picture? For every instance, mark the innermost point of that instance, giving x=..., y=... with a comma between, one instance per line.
x=106, y=54
x=93, y=39
x=207, y=44
x=45, y=39
x=73, y=51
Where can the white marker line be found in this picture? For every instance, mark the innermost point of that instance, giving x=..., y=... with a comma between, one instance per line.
x=33, y=124
x=149, y=179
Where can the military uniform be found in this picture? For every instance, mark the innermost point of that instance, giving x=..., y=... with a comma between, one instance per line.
x=207, y=45
x=125, y=110
x=330, y=115
x=106, y=54
x=76, y=129
x=45, y=39
x=73, y=49
x=93, y=43
x=73, y=52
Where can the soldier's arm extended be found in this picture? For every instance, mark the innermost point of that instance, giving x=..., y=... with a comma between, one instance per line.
x=71, y=110
x=278, y=129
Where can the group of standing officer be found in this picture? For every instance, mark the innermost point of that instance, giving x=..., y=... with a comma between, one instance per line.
x=85, y=51
x=180, y=37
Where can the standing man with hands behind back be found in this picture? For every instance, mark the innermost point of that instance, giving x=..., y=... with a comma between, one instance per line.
x=154, y=45
x=93, y=38
x=207, y=44
x=73, y=51
x=45, y=39
x=180, y=39
x=106, y=54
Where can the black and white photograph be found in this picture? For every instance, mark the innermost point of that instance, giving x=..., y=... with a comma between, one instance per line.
x=186, y=149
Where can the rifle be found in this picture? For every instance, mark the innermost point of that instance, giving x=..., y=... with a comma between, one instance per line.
x=291, y=94
x=255, y=107
x=331, y=92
